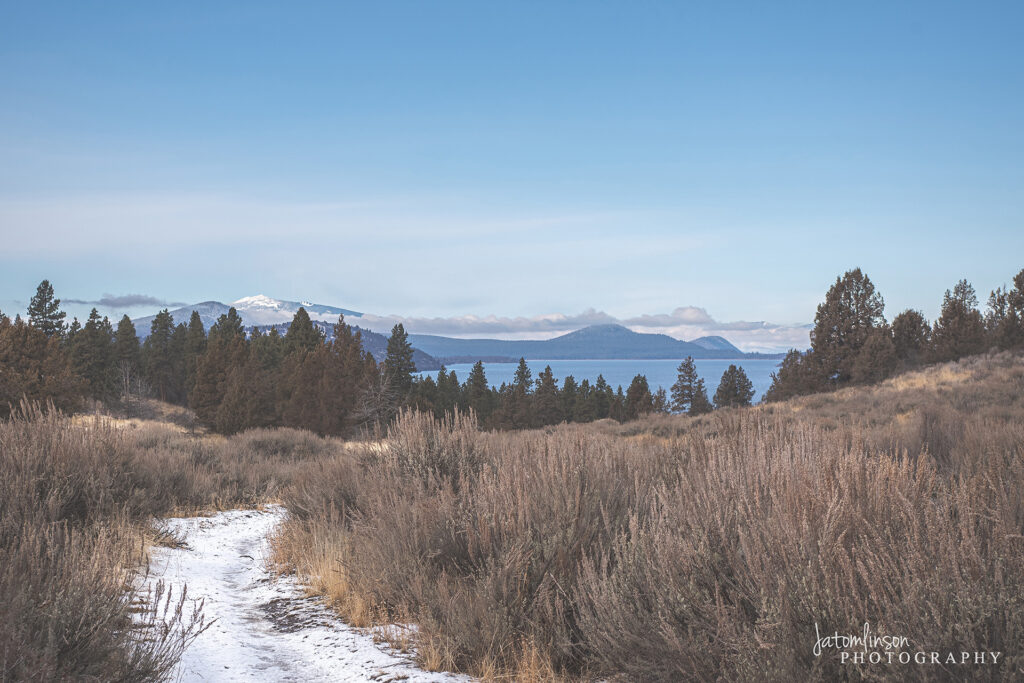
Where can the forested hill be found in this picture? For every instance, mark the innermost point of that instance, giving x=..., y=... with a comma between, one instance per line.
x=594, y=342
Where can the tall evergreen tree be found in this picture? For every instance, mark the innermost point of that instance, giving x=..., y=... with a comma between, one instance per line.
x=398, y=363
x=601, y=399
x=685, y=385
x=547, y=404
x=127, y=351
x=960, y=329
x=478, y=393
x=95, y=359
x=44, y=311
x=700, y=404
x=302, y=335
x=735, y=389
x=157, y=355
x=1004, y=319
x=570, y=397
x=639, y=401
x=226, y=349
x=195, y=346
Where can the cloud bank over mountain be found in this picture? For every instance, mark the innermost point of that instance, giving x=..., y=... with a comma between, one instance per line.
x=687, y=323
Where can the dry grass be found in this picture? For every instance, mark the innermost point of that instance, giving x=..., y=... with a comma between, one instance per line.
x=689, y=549
x=666, y=549
x=76, y=500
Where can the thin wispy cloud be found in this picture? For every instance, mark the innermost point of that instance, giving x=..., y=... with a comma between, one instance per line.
x=125, y=301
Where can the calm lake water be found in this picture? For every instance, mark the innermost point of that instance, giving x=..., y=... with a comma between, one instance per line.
x=660, y=373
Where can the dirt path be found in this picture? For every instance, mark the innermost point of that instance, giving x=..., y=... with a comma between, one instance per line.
x=264, y=628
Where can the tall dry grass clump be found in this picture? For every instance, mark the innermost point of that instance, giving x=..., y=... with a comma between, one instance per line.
x=76, y=500
x=68, y=501
x=704, y=549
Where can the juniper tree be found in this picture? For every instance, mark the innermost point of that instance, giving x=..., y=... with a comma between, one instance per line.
x=44, y=312
x=910, y=337
x=877, y=358
x=960, y=329
x=735, y=389
x=851, y=310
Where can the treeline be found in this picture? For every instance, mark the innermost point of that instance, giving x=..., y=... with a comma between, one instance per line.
x=852, y=343
x=234, y=380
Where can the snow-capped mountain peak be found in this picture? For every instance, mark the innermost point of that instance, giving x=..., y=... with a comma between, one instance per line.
x=258, y=301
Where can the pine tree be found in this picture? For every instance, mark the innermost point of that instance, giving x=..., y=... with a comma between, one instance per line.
x=44, y=311
x=478, y=393
x=398, y=363
x=685, y=385
x=584, y=409
x=94, y=357
x=127, y=351
x=157, y=360
x=851, y=310
x=521, y=411
x=700, y=404
x=523, y=379
x=661, y=401
x=302, y=335
x=570, y=397
x=226, y=349
x=601, y=399
x=735, y=389
x=35, y=367
x=1004, y=320
x=195, y=346
x=960, y=329
x=547, y=404
x=639, y=401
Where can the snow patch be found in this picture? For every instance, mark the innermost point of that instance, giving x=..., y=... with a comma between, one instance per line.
x=264, y=627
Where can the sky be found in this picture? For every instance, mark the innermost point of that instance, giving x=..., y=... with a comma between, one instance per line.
x=523, y=161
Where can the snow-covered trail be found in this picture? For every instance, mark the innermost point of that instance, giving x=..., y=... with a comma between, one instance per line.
x=264, y=628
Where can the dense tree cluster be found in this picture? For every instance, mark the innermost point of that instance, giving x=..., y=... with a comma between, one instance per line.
x=235, y=379
x=852, y=344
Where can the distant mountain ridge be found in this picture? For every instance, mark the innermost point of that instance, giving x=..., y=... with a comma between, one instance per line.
x=595, y=342
x=607, y=341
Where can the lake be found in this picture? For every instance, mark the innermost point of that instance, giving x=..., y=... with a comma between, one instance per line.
x=660, y=373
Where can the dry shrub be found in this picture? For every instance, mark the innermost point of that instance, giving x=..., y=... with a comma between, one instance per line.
x=67, y=500
x=76, y=499
x=690, y=549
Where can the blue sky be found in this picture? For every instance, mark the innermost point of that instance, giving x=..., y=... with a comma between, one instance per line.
x=436, y=160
